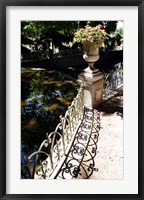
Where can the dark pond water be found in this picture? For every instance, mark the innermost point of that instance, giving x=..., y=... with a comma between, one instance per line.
x=45, y=95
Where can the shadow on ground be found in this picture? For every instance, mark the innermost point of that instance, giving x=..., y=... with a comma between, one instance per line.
x=112, y=105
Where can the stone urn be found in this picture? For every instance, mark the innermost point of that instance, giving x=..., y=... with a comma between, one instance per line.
x=93, y=79
x=91, y=52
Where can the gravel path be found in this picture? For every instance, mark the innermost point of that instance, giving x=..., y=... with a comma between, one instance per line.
x=109, y=158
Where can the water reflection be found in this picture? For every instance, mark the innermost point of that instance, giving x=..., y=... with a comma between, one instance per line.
x=45, y=95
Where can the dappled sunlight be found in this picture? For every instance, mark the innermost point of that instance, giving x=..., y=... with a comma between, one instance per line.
x=45, y=96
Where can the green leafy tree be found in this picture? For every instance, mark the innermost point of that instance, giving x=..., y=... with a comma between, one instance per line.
x=60, y=32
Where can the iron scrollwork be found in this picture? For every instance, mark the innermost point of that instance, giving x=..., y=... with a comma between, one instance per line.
x=79, y=162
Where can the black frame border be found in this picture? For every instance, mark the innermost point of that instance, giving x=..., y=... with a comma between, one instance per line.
x=3, y=5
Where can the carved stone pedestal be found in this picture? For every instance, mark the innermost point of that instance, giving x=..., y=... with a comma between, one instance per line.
x=93, y=86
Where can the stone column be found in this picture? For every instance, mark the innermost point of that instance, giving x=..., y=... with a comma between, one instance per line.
x=93, y=86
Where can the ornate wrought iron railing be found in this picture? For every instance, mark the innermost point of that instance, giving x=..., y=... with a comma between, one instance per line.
x=80, y=160
x=56, y=145
x=113, y=81
x=74, y=138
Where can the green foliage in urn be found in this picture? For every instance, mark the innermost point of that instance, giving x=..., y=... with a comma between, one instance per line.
x=90, y=34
